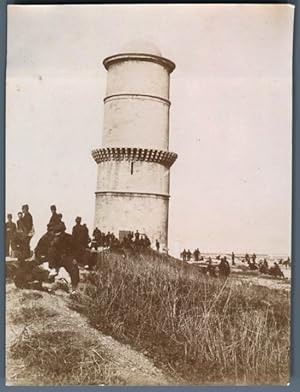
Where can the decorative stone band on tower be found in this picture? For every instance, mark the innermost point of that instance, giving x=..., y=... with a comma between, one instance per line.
x=134, y=161
x=165, y=158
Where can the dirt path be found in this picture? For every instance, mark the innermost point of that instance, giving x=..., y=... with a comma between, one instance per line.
x=127, y=365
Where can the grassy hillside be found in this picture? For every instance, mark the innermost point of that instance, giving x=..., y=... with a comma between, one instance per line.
x=49, y=344
x=205, y=330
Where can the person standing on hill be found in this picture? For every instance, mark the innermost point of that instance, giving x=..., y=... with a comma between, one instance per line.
x=97, y=236
x=147, y=241
x=79, y=239
x=87, y=239
x=19, y=222
x=157, y=244
x=28, y=229
x=11, y=230
x=54, y=220
x=137, y=236
x=107, y=239
x=189, y=255
x=78, y=231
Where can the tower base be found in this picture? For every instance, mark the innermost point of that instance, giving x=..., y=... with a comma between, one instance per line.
x=119, y=212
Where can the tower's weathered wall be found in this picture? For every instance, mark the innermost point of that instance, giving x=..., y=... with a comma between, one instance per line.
x=146, y=177
x=131, y=211
x=137, y=76
x=136, y=121
x=134, y=162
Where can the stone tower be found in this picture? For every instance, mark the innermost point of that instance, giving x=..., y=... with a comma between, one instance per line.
x=134, y=160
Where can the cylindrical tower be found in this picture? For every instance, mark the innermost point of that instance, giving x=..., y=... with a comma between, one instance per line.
x=134, y=161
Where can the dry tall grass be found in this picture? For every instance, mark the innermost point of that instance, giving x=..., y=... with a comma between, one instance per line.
x=54, y=353
x=206, y=330
x=59, y=358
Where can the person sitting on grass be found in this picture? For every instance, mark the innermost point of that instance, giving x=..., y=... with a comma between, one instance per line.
x=276, y=271
x=30, y=275
x=264, y=268
x=224, y=267
x=211, y=269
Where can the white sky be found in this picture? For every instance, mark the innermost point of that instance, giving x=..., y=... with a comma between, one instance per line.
x=231, y=119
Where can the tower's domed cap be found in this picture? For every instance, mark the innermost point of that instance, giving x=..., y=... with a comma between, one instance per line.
x=139, y=51
x=140, y=47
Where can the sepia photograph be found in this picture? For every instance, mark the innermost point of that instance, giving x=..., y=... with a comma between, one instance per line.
x=148, y=194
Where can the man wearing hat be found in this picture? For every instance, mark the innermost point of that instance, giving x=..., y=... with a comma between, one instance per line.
x=27, y=223
x=11, y=229
x=54, y=220
x=80, y=240
x=20, y=222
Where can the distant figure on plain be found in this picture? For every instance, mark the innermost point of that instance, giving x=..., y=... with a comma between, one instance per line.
x=196, y=254
x=287, y=262
x=232, y=258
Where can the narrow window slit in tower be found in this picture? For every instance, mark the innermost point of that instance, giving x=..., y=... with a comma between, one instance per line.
x=131, y=171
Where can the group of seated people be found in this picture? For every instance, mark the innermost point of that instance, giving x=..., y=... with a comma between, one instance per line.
x=134, y=241
x=222, y=269
x=186, y=255
x=263, y=267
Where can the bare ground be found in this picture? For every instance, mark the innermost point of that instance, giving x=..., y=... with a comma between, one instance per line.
x=271, y=283
x=258, y=279
x=126, y=365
